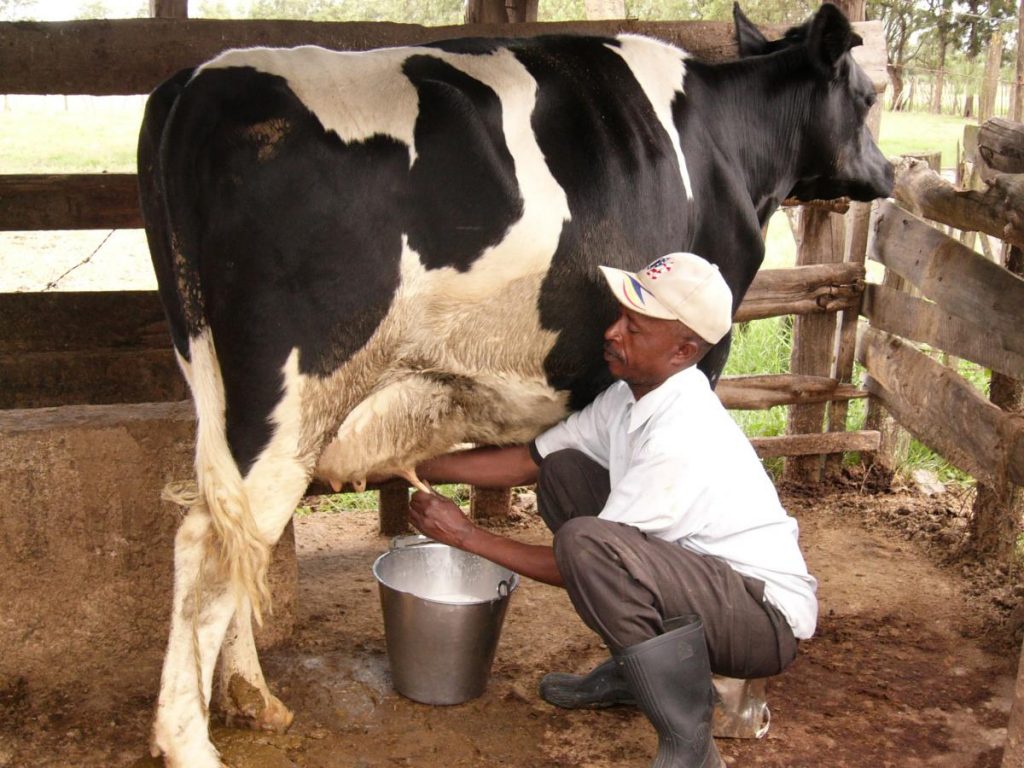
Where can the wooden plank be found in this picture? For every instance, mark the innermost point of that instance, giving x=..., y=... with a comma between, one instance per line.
x=815, y=444
x=69, y=321
x=132, y=56
x=942, y=410
x=947, y=272
x=922, y=321
x=89, y=377
x=768, y=391
x=69, y=201
x=803, y=290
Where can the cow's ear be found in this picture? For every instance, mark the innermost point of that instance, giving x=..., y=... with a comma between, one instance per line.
x=749, y=39
x=829, y=38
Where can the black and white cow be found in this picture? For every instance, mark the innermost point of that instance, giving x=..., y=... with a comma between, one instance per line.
x=367, y=258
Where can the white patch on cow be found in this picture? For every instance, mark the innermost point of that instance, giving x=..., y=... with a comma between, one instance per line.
x=660, y=69
x=529, y=244
x=355, y=94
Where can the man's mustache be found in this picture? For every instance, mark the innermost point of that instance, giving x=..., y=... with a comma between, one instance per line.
x=610, y=350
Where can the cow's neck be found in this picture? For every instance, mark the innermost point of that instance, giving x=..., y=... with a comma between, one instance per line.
x=756, y=116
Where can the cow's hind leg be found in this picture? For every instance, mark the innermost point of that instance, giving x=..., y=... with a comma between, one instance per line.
x=203, y=606
x=205, y=602
x=274, y=486
x=245, y=697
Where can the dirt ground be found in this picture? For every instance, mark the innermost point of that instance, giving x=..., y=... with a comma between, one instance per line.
x=913, y=664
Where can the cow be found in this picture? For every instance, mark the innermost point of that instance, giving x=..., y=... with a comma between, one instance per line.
x=367, y=258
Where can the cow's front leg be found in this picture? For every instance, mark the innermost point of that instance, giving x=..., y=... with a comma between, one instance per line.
x=203, y=606
x=244, y=696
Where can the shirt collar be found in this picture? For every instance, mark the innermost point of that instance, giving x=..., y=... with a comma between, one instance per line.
x=665, y=393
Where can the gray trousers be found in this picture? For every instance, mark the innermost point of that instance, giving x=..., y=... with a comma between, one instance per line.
x=625, y=584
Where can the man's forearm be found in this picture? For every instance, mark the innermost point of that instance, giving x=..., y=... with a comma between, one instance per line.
x=487, y=467
x=535, y=561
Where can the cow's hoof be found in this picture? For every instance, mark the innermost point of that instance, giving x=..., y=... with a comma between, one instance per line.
x=245, y=706
x=200, y=754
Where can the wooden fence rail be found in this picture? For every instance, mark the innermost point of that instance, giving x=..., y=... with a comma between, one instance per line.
x=132, y=56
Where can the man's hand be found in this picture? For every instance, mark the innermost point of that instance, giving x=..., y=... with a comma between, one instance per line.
x=439, y=518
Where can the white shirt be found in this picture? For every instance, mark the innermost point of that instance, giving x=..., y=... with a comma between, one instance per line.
x=682, y=470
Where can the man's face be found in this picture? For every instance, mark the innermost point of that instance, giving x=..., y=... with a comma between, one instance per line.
x=642, y=351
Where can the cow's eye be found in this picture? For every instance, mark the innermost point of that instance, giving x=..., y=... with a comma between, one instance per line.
x=870, y=99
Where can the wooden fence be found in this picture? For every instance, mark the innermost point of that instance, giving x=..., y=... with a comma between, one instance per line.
x=972, y=309
x=67, y=348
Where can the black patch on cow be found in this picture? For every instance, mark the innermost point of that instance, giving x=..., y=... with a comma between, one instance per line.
x=463, y=195
x=293, y=232
x=151, y=197
x=608, y=151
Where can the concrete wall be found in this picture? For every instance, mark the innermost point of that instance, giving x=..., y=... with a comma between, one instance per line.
x=86, y=547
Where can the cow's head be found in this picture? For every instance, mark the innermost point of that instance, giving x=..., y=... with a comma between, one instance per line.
x=838, y=155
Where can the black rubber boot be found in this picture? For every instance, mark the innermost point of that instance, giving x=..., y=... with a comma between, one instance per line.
x=670, y=676
x=603, y=687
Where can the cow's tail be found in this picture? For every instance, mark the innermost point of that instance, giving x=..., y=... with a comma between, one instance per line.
x=239, y=549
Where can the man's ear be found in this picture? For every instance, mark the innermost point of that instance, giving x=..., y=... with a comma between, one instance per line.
x=687, y=352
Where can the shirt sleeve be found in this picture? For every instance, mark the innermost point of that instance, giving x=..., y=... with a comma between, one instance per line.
x=585, y=430
x=659, y=493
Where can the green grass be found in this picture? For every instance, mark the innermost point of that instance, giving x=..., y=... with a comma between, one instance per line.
x=910, y=132
x=338, y=503
x=95, y=135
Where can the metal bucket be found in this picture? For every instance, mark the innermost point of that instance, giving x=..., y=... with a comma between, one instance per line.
x=443, y=611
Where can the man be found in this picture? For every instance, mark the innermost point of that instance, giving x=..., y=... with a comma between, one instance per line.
x=668, y=535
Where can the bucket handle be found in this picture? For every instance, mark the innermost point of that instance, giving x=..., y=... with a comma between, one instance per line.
x=504, y=588
x=406, y=540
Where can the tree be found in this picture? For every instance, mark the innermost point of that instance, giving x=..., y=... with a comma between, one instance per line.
x=902, y=20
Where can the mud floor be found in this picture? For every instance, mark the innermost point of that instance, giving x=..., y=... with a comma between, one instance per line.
x=913, y=665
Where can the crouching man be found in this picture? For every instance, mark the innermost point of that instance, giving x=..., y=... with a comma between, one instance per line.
x=668, y=535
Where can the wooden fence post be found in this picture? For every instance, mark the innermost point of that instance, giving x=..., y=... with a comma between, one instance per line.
x=858, y=220
x=500, y=11
x=998, y=509
x=168, y=9
x=822, y=241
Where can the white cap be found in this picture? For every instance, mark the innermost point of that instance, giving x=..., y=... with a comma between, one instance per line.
x=679, y=286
